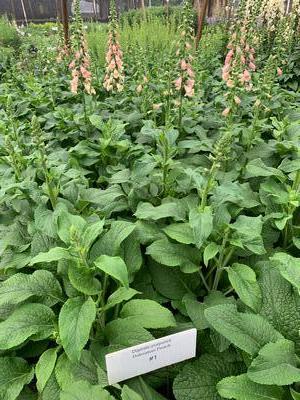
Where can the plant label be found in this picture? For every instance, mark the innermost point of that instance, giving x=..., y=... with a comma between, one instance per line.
x=149, y=356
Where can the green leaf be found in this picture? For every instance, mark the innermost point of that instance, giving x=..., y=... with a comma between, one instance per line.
x=132, y=254
x=198, y=379
x=166, y=210
x=210, y=251
x=195, y=309
x=201, y=223
x=54, y=254
x=173, y=255
x=129, y=394
x=109, y=244
x=29, y=321
x=249, y=332
x=257, y=168
x=144, y=390
x=181, y=232
x=236, y=193
x=148, y=314
x=280, y=302
x=242, y=388
x=120, y=295
x=114, y=267
x=83, y=390
x=68, y=222
x=126, y=333
x=247, y=234
x=91, y=233
x=276, y=364
x=45, y=367
x=14, y=374
x=21, y=287
x=295, y=395
x=83, y=280
x=243, y=280
x=75, y=321
x=289, y=267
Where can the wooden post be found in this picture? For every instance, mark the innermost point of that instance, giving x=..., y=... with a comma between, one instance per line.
x=65, y=21
x=201, y=19
x=24, y=12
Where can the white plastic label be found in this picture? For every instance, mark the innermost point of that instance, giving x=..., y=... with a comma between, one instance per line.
x=149, y=356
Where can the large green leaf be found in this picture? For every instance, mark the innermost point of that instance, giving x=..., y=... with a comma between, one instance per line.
x=129, y=394
x=249, y=332
x=75, y=321
x=198, y=379
x=109, y=244
x=83, y=279
x=54, y=254
x=148, y=314
x=14, y=374
x=195, y=309
x=148, y=211
x=201, y=223
x=44, y=368
x=67, y=223
x=21, y=287
x=181, y=232
x=280, y=302
x=236, y=193
x=173, y=255
x=114, y=267
x=120, y=295
x=125, y=332
x=247, y=234
x=144, y=390
x=242, y=388
x=289, y=268
x=83, y=390
x=91, y=233
x=30, y=321
x=257, y=168
x=276, y=364
x=243, y=280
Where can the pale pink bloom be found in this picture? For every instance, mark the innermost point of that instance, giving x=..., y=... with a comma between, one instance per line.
x=243, y=59
x=225, y=76
x=237, y=100
x=189, y=91
x=116, y=74
x=183, y=65
x=230, y=83
x=77, y=55
x=112, y=65
x=74, y=84
x=252, y=66
x=251, y=57
x=226, y=112
x=229, y=57
x=156, y=106
x=72, y=64
x=246, y=76
x=252, y=51
x=145, y=79
x=279, y=71
x=190, y=72
x=178, y=83
x=120, y=87
x=247, y=48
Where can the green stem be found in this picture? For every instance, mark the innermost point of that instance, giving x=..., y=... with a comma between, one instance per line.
x=102, y=301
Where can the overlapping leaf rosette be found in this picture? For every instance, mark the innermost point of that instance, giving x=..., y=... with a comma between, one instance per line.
x=185, y=82
x=114, y=76
x=81, y=63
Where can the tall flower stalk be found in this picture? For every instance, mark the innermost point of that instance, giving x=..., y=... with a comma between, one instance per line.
x=185, y=82
x=80, y=65
x=114, y=76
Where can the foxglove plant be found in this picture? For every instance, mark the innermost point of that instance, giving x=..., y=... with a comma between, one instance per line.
x=185, y=82
x=80, y=65
x=114, y=77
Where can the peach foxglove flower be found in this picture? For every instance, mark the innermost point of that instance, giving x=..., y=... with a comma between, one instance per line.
x=226, y=112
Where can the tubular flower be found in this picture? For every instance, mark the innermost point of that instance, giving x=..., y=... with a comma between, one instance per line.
x=114, y=76
x=80, y=65
x=185, y=82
